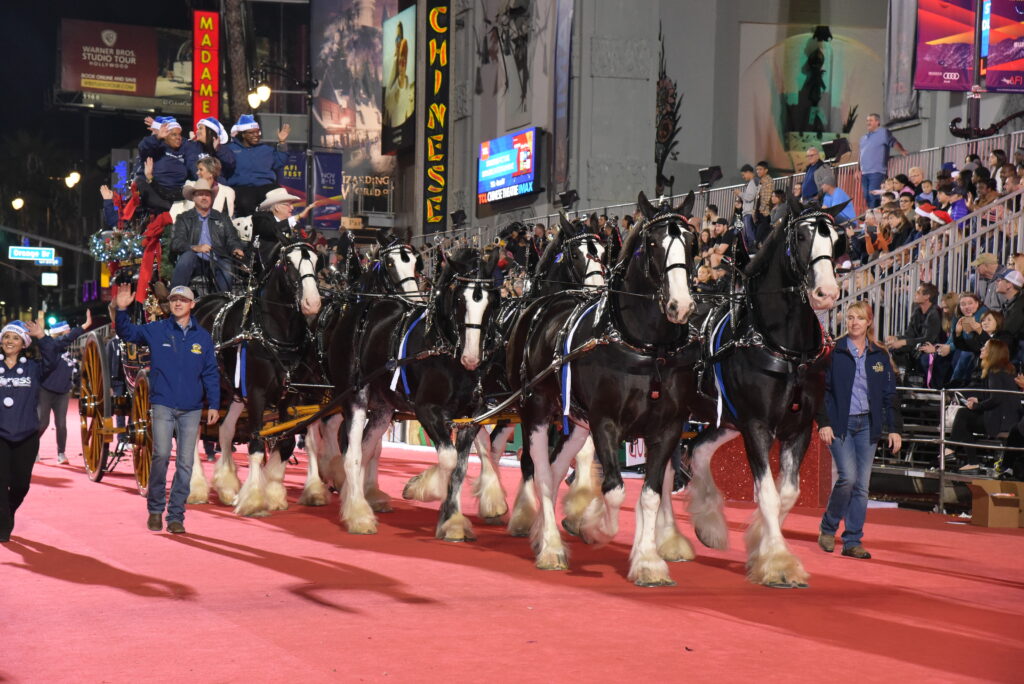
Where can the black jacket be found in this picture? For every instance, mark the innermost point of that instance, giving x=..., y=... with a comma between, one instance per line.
x=1013, y=323
x=1001, y=410
x=924, y=327
x=269, y=231
x=223, y=236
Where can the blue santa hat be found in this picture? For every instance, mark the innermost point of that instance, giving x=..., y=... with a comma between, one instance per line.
x=246, y=122
x=59, y=328
x=159, y=121
x=216, y=127
x=18, y=328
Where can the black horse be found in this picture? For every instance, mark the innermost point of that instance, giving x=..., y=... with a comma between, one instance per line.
x=262, y=343
x=392, y=354
x=762, y=370
x=625, y=372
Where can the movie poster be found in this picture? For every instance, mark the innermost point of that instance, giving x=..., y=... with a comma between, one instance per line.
x=399, y=93
x=327, y=172
x=292, y=176
x=945, y=45
x=1006, y=47
x=347, y=46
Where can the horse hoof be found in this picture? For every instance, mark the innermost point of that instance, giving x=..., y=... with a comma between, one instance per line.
x=381, y=507
x=571, y=526
x=712, y=541
x=654, y=583
x=500, y=520
x=786, y=584
x=362, y=528
x=552, y=561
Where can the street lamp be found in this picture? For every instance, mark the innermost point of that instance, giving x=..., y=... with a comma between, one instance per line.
x=17, y=203
x=72, y=179
x=262, y=92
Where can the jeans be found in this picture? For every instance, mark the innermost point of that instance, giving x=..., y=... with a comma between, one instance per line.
x=56, y=403
x=184, y=425
x=853, y=454
x=189, y=262
x=869, y=182
x=749, y=232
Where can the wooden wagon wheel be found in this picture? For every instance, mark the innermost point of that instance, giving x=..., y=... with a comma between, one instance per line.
x=94, y=407
x=140, y=431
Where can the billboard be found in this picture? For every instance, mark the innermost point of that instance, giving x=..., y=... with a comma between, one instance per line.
x=399, y=92
x=1006, y=47
x=117, y=66
x=945, y=45
x=507, y=167
x=346, y=41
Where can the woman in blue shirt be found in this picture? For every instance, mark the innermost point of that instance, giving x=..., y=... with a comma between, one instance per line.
x=859, y=405
x=20, y=380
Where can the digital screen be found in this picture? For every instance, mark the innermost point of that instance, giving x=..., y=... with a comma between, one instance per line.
x=507, y=167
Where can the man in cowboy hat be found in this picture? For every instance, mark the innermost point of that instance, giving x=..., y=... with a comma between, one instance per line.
x=256, y=165
x=203, y=237
x=274, y=220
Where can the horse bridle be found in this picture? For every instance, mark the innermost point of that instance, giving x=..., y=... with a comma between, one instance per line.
x=400, y=249
x=482, y=284
x=306, y=249
x=644, y=229
x=571, y=242
x=803, y=274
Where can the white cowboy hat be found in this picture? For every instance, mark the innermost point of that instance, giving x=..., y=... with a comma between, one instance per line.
x=192, y=187
x=277, y=196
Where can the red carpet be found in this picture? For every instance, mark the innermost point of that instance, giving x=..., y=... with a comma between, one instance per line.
x=87, y=594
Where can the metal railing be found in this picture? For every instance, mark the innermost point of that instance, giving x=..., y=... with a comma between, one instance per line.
x=942, y=257
x=944, y=396
x=930, y=160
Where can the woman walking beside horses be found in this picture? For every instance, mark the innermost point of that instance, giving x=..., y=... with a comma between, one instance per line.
x=860, y=404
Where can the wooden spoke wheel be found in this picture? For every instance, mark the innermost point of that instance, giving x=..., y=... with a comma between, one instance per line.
x=140, y=431
x=94, y=407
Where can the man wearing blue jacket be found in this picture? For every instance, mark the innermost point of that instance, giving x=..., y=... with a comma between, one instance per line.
x=256, y=164
x=182, y=369
x=53, y=394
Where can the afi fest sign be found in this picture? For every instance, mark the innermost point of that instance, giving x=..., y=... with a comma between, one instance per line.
x=435, y=162
x=205, y=65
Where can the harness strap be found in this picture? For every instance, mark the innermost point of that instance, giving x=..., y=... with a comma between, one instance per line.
x=567, y=367
x=400, y=370
x=722, y=397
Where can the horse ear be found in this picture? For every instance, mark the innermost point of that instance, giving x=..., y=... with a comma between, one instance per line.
x=565, y=224
x=645, y=206
x=795, y=208
x=836, y=209
x=686, y=208
x=383, y=237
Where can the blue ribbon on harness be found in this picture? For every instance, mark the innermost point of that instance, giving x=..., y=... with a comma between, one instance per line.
x=401, y=352
x=242, y=358
x=718, y=365
x=566, y=373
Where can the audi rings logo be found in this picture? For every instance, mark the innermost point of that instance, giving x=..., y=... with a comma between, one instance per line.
x=951, y=75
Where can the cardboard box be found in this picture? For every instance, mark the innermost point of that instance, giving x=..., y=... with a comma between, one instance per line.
x=995, y=503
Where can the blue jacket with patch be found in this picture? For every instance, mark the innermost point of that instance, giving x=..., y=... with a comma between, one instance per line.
x=254, y=166
x=59, y=380
x=171, y=168
x=841, y=367
x=182, y=362
x=19, y=392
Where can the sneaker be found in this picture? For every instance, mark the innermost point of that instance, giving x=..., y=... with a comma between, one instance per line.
x=61, y=459
x=857, y=551
x=176, y=527
x=155, y=522
x=827, y=542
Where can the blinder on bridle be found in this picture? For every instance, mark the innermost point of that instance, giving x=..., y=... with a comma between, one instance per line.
x=822, y=223
x=591, y=241
x=405, y=252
